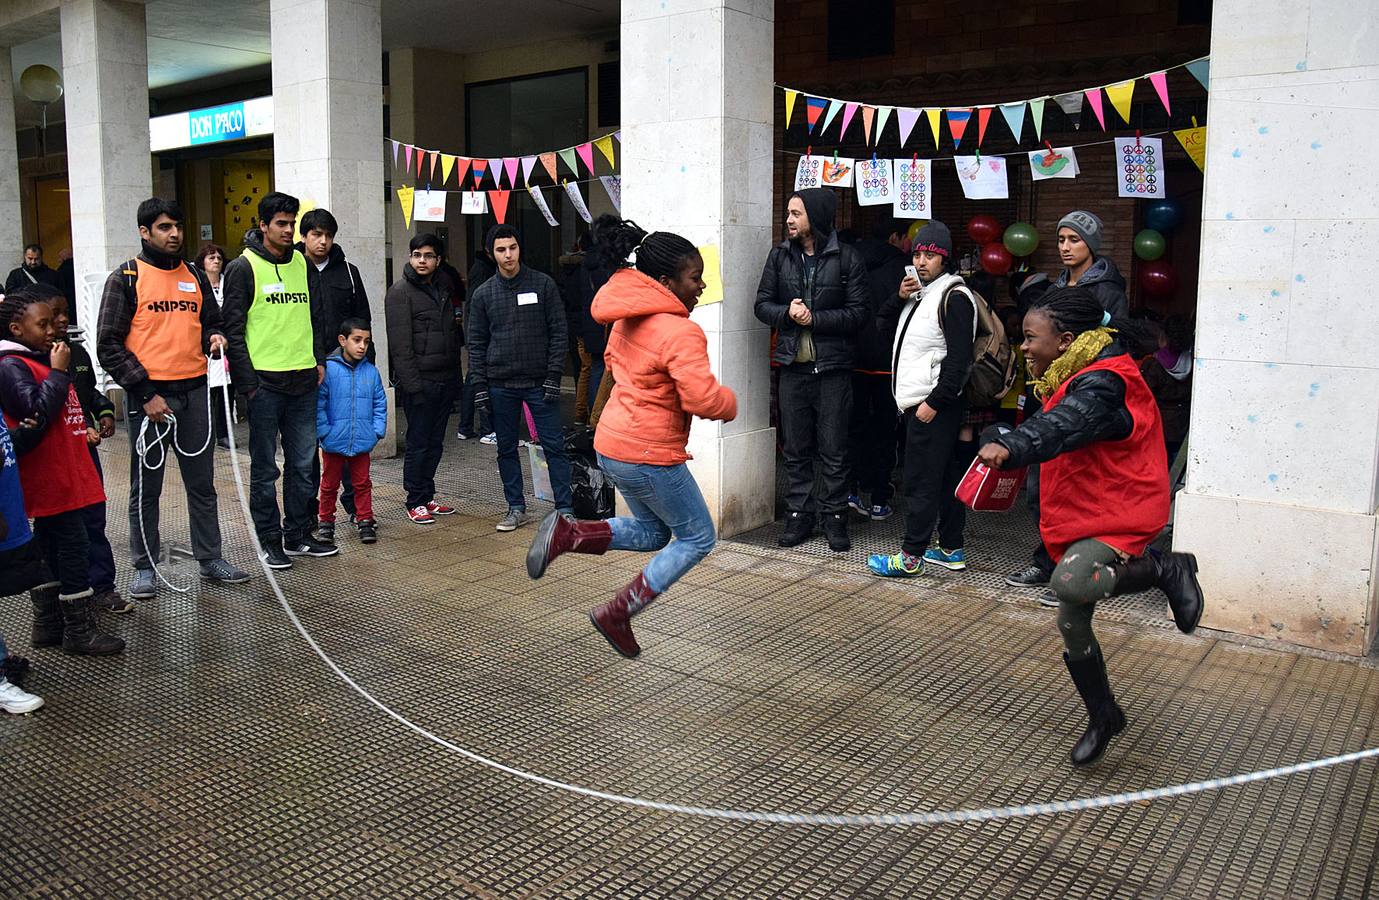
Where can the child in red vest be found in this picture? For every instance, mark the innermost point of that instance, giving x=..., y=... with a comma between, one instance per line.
x=1104, y=486
x=57, y=475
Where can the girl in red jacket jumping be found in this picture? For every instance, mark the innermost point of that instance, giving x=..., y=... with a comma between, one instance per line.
x=1104, y=488
x=659, y=361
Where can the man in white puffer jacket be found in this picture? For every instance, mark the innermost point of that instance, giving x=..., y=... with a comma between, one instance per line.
x=932, y=356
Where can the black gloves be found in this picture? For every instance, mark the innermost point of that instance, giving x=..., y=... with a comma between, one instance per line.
x=481, y=398
x=552, y=389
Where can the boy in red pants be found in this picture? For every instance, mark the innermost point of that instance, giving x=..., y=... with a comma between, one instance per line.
x=351, y=417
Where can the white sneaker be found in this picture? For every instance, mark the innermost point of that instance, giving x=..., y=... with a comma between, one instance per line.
x=491, y=439
x=14, y=699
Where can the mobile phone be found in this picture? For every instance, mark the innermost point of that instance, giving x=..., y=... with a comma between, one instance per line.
x=911, y=273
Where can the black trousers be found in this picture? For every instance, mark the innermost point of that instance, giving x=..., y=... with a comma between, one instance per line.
x=66, y=549
x=815, y=412
x=428, y=423
x=933, y=468
x=871, y=449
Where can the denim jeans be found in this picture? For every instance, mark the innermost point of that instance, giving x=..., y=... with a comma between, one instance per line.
x=293, y=417
x=428, y=420
x=665, y=501
x=507, y=416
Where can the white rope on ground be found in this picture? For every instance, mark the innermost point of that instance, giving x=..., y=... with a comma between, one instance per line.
x=840, y=820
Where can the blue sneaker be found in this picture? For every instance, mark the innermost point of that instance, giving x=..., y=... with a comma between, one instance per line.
x=879, y=512
x=955, y=561
x=900, y=565
x=855, y=504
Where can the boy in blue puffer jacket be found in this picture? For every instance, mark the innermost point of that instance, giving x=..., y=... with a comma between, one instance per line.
x=351, y=416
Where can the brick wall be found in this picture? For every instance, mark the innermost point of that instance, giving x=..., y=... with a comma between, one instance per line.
x=987, y=51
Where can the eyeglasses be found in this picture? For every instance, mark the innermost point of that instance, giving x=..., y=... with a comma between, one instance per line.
x=425, y=257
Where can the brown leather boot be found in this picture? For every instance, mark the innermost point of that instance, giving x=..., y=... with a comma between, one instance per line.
x=612, y=619
x=560, y=533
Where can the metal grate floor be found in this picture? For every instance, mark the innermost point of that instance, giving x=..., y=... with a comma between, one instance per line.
x=219, y=757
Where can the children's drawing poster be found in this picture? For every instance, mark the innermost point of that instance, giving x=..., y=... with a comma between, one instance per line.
x=540, y=200
x=1059, y=162
x=824, y=171
x=875, y=182
x=1139, y=167
x=428, y=206
x=612, y=184
x=473, y=203
x=808, y=172
x=982, y=178
x=914, y=198
x=577, y=201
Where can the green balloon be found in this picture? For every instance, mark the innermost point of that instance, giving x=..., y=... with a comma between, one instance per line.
x=1021, y=239
x=1149, y=245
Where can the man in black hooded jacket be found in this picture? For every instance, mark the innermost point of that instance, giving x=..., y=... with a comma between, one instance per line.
x=813, y=292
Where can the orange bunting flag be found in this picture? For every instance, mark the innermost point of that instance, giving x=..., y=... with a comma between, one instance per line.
x=868, y=117
x=983, y=117
x=548, y=162
x=498, y=202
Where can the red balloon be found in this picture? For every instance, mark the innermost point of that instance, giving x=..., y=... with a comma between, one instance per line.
x=996, y=259
x=1158, y=279
x=984, y=229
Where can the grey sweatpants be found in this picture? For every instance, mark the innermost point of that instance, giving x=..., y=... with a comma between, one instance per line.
x=1083, y=576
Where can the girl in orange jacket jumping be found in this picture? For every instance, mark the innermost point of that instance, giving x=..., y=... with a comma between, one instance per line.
x=660, y=365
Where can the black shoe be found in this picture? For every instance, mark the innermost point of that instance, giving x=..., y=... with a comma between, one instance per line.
x=836, y=532
x=273, y=556
x=368, y=532
x=1173, y=573
x=1105, y=717
x=325, y=531
x=111, y=601
x=81, y=634
x=799, y=527
x=1030, y=576
x=308, y=547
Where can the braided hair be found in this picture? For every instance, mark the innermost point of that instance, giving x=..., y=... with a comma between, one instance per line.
x=1076, y=309
x=13, y=305
x=659, y=253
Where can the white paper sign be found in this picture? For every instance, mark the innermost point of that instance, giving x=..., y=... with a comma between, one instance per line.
x=982, y=178
x=807, y=172
x=540, y=200
x=1060, y=162
x=875, y=182
x=613, y=185
x=473, y=203
x=824, y=171
x=577, y=201
x=1139, y=167
x=428, y=206
x=914, y=195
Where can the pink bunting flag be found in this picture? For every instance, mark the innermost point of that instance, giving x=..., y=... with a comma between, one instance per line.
x=510, y=167
x=1160, y=82
x=434, y=157
x=849, y=110
x=528, y=163
x=1094, y=95
x=586, y=153
x=498, y=202
x=495, y=169
x=480, y=169
x=407, y=157
x=906, y=118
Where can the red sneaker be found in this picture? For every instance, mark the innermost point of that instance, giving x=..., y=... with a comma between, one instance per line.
x=421, y=515
x=439, y=509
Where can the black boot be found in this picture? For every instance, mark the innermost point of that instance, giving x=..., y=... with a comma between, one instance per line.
x=1106, y=719
x=799, y=527
x=47, y=616
x=836, y=532
x=81, y=634
x=1173, y=573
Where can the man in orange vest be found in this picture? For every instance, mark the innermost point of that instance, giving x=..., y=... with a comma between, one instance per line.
x=158, y=323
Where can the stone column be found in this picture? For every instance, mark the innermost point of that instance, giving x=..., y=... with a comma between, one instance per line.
x=328, y=131
x=697, y=160
x=105, y=78
x=11, y=219
x=1283, y=480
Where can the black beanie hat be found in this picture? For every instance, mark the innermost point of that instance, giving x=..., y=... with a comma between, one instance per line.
x=936, y=238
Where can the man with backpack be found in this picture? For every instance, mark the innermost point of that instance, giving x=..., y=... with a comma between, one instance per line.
x=944, y=356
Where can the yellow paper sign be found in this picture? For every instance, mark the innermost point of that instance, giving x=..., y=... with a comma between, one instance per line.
x=713, y=276
x=1194, y=141
x=305, y=207
x=404, y=197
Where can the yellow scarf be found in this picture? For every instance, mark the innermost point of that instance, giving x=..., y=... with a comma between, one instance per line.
x=1085, y=348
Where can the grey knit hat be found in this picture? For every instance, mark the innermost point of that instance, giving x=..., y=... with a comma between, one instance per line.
x=1087, y=226
x=936, y=238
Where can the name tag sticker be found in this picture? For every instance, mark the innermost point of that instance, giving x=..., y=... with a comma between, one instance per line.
x=274, y=288
x=186, y=287
x=528, y=299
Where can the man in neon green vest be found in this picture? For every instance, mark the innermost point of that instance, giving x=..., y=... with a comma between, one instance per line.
x=273, y=321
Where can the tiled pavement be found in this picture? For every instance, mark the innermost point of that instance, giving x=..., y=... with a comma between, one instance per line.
x=219, y=757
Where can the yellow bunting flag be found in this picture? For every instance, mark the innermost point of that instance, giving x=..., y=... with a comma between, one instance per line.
x=1120, y=96
x=447, y=163
x=933, y=115
x=404, y=197
x=790, y=98
x=605, y=145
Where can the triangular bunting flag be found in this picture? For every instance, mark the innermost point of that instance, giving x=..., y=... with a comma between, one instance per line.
x=883, y=115
x=407, y=157
x=605, y=145
x=586, y=153
x=395, y=146
x=813, y=108
x=461, y=167
x=906, y=119
x=495, y=170
x=480, y=169
x=1160, y=82
x=618, y=135
x=405, y=195
x=434, y=157
x=571, y=160
x=1071, y=104
x=1201, y=70
x=1014, y=114
x=933, y=115
x=983, y=117
x=957, y=124
x=548, y=163
x=528, y=163
x=447, y=165
x=868, y=117
x=421, y=161
x=510, y=167
x=834, y=107
x=790, y=98
x=1194, y=141
x=1036, y=109
x=498, y=202
x=849, y=110
x=1094, y=95
x=1120, y=96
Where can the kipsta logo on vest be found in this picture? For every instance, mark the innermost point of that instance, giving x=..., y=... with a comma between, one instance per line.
x=167, y=306
x=286, y=297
